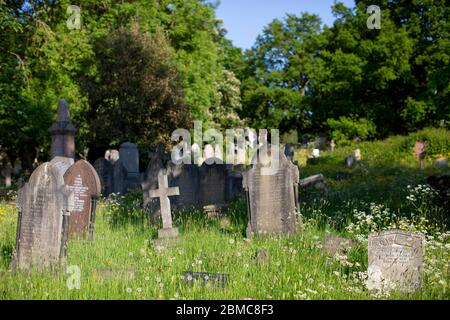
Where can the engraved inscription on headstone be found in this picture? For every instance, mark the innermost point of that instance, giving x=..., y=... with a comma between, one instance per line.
x=395, y=261
x=83, y=181
x=43, y=202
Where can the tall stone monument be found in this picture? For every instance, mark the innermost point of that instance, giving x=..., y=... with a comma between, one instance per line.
x=63, y=133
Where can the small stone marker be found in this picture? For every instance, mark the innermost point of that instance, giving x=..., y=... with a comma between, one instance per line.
x=333, y=145
x=43, y=203
x=395, y=261
x=163, y=193
x=83, y=181
x=333, y=244
x=214, y=279
x=317, y=182
x=441, y=163
x=357, y=155
x=350, y=161
x=262, y=256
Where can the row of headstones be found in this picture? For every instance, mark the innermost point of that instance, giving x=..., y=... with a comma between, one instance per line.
x=58, y=202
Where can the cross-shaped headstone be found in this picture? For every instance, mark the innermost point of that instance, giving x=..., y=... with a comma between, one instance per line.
x=163, y=193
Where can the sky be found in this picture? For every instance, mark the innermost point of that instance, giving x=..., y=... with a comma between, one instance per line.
x=245, y=19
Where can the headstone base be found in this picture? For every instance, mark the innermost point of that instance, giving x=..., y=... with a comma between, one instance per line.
x=168, y=233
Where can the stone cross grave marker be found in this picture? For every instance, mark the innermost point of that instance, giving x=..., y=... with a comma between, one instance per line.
x=163, y=193
x=44, y=203
x=395, y=261
x=83, y=181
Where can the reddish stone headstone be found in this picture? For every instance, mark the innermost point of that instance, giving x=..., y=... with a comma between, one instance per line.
x=83, y=181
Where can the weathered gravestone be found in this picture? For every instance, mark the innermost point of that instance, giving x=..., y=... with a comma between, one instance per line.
x=187, y=178
x=83, y=181
x=63, y=133
x=163, y=193
x=44, y=203
x=272, y=200
x=395, y=261
x=213, y=183
x=104, y=170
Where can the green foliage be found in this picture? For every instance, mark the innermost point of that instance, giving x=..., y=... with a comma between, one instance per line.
x=346, y=129
x=126, y=209
x=135, y=94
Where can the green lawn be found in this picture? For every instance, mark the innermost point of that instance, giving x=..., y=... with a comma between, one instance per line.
x=373, y=199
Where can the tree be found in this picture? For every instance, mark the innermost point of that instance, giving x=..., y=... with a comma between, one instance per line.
x=278, y=74
x=135, y=95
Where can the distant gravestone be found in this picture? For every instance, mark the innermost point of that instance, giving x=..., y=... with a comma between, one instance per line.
x=350, y=161
x=129, y=156
x=43, y=203
x=83, y=181
x=112, y=156
x=272, y=200
x=213, y=180
x=6, y=172
x=289, y=151
x=441, y=163
x=187, y=178
x=333, y=145
x=357, y=155
x=119, y=178
x=420, y=152
x=234, y=181
x=316, y=181
x=395, y=261
x=104, y=171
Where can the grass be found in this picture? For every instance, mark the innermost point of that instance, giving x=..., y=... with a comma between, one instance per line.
x=297, y=267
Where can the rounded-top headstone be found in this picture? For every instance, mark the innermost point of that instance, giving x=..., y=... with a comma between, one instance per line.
x=84, y=182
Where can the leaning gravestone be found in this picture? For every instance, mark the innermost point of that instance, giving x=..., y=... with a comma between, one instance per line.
x=42, y=227
x=83, y=181
x=395, y=261
x=272, y=200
